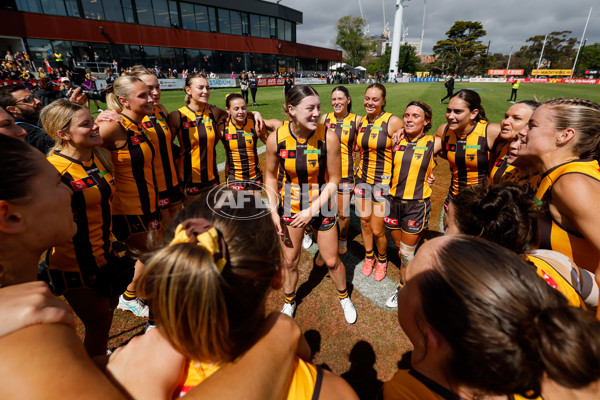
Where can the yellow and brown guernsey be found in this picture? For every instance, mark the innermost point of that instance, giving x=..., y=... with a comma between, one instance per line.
x=302, y=168
x=135, y=181
x=502, y=171
x=346, y=131
x=240, y=148
x=93, y=187
x=305, y=379
x=198, y=163
x=468, y=156
x=412, y=164
x=375, y=166
x=555, y=236
x=157, y=129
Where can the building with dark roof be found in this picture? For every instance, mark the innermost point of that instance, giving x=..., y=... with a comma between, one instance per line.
x=214, y=35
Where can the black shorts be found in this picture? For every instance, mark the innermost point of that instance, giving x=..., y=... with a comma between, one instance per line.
x=194, y=189
x=169, y=197
x=318, y=223
x=375, y=192
x=346, y=186
x=250, y=184
x=124, y=226
x=412, y=216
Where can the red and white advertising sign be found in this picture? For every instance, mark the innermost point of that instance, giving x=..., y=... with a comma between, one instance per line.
x=505, y=71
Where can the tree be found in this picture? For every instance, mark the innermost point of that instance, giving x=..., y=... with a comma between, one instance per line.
x=559, y=51
x=407, y=59
x=351, y=39
x=589, y=58
x=379, y=65
x=461, y=52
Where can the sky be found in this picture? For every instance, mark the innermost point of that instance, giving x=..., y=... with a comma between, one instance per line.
x=507, y=22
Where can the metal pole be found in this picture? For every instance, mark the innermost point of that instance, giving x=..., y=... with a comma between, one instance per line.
x=541, y=55
x=580, y=43
x=509, y=56
x=423, y=28
x=396, y=41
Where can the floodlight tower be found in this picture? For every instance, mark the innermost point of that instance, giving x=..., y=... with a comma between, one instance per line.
x=400, y=4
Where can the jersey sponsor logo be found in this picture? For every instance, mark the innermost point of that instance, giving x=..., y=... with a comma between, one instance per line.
x=164, y=202
x=402, y=148
x=498, y=162
x=248, y=134
x=287, y=219
x=192, y=190
x=361, y=129
x=283, y=153
x=421, y=147
x=154, y=224
x=83, y=183
x=136, y=140
x=412, y=223
x=373, y=135
x=102, y=174
x=472, y=146
x=471, y=157
x=237, y=187
x=450, y=147
x=189, y=124
x=312, y=151
x=549, y=280
x=397, y=147
x=390, y=221
x=231, y=136
x=358, y=191
x=148, y=125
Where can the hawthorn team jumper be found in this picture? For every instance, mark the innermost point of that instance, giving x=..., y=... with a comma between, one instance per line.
x=198, y=161
x=375, y=167
x=240, y=147
x=302, y=170
x=135, y=205
x=468, y=156
x=346, y=130
x=157, y=128
x=93, y=187
x=553, y=235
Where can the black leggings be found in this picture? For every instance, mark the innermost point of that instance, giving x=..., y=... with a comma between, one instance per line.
x=253, y=92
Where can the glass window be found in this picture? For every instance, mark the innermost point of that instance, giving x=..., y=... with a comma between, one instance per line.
x=192, y=58
x=136, y=54
x=167, y=57
x=128, y=11
x=236, y=22
x=281, y=29
x=179, y=59
x=120, y=52
x=224, y=21
x=174, y=13
x=264, y=26
x=113, y=10
x=144, y=12
x=212, y=19
x=288, y=31
x=202, y=18
x=187, y=16
x=150, y=56
x=272, y=28
x=72, y=8
x=161, y=13
x=29, y=6
x=245, y=27
x=54, y=7
x=38, y=48
x=254, y=25
x=92, y=9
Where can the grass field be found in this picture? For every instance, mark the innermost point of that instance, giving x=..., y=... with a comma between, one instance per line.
x=366, y=354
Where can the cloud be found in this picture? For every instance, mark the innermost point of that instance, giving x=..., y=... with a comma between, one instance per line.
x=507, y=22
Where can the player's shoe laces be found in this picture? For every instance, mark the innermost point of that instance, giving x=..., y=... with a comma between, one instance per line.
x=136, y=306
x=349, y=310
x=289, y=309
x=307, y=240
x=380, y=270
x=367, y=268
x=392, y=302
